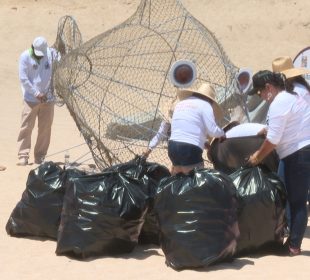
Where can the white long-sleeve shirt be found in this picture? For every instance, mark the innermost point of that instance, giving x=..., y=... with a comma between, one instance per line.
x=302, y=91
x=161, y=134
x=35, y=75
x=245, y=129
x=193, y=121
x=288, y=121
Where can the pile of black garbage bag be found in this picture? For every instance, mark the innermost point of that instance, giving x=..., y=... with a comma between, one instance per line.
x=198, y=219
x=90, y=214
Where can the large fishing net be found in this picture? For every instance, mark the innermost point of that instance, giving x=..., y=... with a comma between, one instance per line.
x=116, y=85
x=68, y=37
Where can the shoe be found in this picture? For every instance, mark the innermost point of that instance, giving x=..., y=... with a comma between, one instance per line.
x=2, y=168
x=294, y=251
x=22, y=161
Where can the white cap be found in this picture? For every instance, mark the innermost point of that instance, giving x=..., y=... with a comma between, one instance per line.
x=39, y=46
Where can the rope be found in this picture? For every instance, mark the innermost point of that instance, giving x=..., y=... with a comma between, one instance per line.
x=68, y=149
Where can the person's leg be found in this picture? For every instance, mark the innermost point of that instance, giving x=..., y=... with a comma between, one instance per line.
x=281, y=174
x=297, y=180
x=45, y=121
x=184, y=157
x=187, y=169
x=29, y=115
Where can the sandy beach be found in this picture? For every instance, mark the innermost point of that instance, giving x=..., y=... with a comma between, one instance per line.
x=252, y=32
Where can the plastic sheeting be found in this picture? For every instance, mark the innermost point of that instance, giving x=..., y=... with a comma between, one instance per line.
x=198, y=218
x=262, y=198
x=232, y=153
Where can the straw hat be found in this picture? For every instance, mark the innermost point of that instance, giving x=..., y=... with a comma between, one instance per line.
x=284, y=65
x=206, y=91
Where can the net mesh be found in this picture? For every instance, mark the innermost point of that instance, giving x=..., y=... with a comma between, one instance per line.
x=116, y=85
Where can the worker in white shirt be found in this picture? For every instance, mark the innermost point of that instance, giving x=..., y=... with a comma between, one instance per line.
x=35, y=74
x=288, y=132
x=193, y=122
x=164, y=129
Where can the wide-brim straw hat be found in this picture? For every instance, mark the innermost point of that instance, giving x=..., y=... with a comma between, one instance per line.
x=206, y=91
x=284, y=65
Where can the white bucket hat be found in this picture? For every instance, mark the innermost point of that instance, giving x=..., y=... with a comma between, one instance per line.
x=284, y=65
x=39, y=46
x=205, y=90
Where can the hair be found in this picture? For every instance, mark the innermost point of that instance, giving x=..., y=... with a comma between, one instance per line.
x=279, y=80
x=299, y=80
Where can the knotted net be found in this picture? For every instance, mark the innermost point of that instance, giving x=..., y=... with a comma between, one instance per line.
x=116, y=85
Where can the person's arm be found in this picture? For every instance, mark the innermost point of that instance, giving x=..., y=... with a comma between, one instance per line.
x=56, y=56
x=24, y=79
x=160, y=135
x=213, y=130
x=278, y=114
x=266, y=148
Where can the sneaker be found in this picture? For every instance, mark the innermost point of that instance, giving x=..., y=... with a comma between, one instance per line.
x=294, y=251
x=22, y=161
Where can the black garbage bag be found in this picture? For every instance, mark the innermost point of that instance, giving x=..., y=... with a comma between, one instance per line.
x=103, y=213
x=38, y=211
x=150, y=232
x=231, y=154
x=261, y=216
x=135, y=168
x=198, y=218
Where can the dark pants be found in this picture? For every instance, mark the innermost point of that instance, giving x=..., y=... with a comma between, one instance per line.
x=281, y=174
x=184, y=154
x=297, y=182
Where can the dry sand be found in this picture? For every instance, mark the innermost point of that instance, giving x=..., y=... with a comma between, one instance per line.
x=253, y=32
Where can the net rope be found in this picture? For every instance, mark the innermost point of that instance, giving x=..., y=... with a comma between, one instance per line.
x=116, y=85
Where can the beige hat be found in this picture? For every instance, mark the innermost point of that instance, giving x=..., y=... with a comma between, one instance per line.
x=284, y=65
x=206, y=90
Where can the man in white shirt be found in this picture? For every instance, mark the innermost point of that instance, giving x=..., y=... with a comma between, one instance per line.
x=35, y=74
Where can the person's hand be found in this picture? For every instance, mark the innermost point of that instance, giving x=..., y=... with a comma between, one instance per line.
x=263, y=132
x=222, y=138
x=207, y=145
x=42, y=97
x=146, y=153
x=253, y=160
